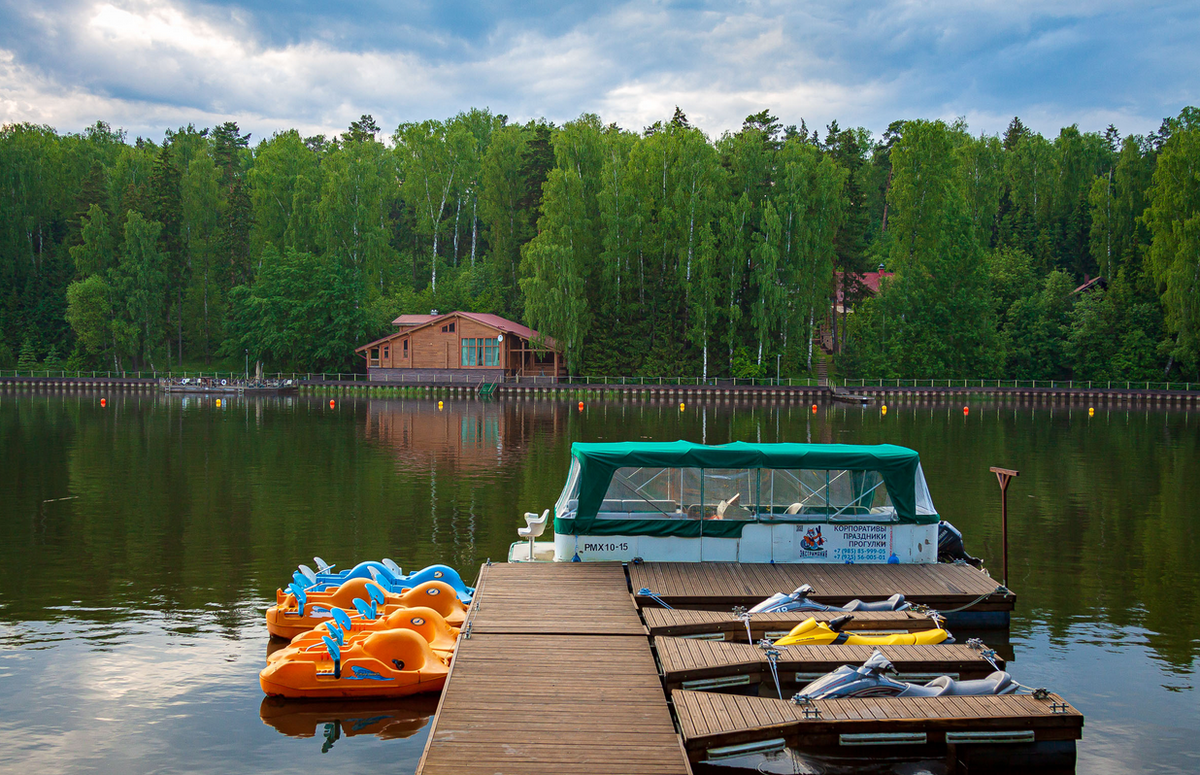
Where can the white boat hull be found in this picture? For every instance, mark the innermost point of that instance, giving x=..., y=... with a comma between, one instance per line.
x=759, y=542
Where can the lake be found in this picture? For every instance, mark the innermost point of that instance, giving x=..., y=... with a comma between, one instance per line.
x=144, y=539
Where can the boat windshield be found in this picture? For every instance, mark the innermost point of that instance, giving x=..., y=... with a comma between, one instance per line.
x=758, y=494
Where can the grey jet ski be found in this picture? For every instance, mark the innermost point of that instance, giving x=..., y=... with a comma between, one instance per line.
x=872, y=680
x=798, y=601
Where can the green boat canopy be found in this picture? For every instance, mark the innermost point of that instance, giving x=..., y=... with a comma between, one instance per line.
x=594, y=465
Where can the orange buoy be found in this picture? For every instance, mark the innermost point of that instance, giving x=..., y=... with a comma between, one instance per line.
x=331, y=403
x=218, y=403
x=1091, y=411
x=883, y=410
x=439, y=406
x=966, y=410
x=814, y=408
x=103, y=403
x=681, y=406
x=581, y=406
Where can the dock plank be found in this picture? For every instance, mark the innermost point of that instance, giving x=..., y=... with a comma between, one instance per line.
x=932, y=715
x=689, y=659
x=683, y=622
x=721, y=585
x=556, y=676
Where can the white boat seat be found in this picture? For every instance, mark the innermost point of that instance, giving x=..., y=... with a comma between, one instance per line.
x=794, y=508
x=534, y=525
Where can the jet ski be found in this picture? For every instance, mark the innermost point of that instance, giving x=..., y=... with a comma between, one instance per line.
x=798, y=601
x=813, y=633
x=386, y=574
x=872, y=679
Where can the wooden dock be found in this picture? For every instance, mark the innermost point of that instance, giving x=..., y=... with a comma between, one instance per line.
x=718, y=625
x=722, y=585
x=689, y=663
x=555, y=675
x=709, y=720
x=563, y=668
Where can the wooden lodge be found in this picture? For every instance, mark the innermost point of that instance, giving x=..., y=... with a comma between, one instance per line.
x=461, y=347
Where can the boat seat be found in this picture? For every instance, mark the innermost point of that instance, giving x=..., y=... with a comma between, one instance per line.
x=893, y=603
x=998, y=682
x=534, y=527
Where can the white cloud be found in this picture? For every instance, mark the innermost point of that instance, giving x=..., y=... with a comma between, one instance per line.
x=150, y=64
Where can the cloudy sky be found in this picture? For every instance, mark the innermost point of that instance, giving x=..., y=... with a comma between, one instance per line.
x=146, y=65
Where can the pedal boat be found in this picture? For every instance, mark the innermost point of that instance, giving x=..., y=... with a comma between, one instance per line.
x=296, y=611
x=389, y=663
x=426, y=622
x=386, y=574
x=810, y=632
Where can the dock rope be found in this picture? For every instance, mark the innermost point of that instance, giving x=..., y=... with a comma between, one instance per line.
x=773, y=660
x=645, y=592
x=999, y=590
x=1039, y=693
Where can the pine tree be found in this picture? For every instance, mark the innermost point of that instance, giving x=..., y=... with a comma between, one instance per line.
x=28, y=358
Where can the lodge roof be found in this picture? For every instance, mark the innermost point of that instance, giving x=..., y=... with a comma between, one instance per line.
x=410, y=323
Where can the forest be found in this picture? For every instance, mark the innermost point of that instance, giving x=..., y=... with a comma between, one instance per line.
x=660, y=252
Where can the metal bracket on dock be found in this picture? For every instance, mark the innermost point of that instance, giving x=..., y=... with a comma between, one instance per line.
x=984, y=651
x=466, y=631
x=1059, y=707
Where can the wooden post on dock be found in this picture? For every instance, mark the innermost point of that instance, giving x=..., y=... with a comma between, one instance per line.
x=1003, y=475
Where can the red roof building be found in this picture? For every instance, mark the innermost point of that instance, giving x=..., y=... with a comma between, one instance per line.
x=460, y=346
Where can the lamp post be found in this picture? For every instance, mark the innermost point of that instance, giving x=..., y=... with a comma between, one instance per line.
x=1003, y=475
x=777, y=357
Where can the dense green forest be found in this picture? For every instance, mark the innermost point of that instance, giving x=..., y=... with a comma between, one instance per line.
x=660, y=252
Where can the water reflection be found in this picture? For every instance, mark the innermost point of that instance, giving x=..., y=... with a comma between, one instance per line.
x=143, y=540
x=385, y=719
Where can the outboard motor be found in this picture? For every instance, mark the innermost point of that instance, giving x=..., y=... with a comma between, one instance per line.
x=872, y=679
x=950, y=545
x=798, y=601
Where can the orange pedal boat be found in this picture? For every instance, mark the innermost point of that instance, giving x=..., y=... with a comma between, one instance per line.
x=390, y=663
x=426, y=622
x=288, y=618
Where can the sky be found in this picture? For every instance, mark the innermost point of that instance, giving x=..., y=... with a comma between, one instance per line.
x=316, y=65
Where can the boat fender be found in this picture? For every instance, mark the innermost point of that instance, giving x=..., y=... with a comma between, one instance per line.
x=223, y=382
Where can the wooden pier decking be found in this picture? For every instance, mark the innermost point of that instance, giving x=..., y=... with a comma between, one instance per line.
x=556, y=676
x=686, y=660
x=721, y=585
x=709, y=720
x=683, y=623
x=554, y=670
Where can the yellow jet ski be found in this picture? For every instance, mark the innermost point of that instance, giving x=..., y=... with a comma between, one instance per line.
x=810, y=632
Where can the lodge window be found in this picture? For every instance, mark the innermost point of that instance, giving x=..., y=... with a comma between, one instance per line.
x=405, y=348
x=480, y=352
x=448, y=329
x=374, y=356
x=386, y=350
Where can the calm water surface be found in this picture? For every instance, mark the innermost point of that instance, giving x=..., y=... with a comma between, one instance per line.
x=142, y=542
